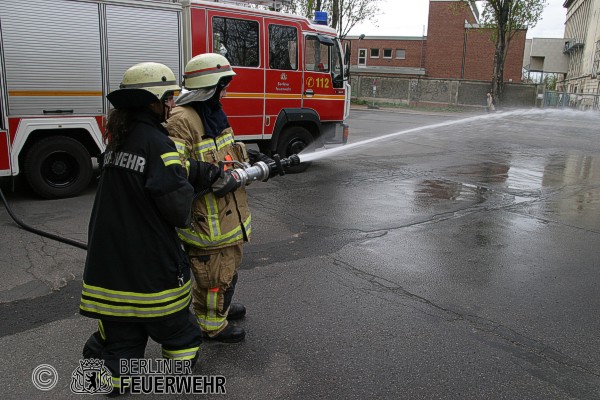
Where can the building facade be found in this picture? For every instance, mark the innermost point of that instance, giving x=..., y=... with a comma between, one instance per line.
x=455, y=47
x=389, y=54
x=582, y=45
x=545, y=56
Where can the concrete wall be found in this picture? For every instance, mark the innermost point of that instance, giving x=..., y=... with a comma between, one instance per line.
x=404, y=90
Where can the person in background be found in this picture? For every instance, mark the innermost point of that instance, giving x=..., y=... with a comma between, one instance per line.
x=491, y=103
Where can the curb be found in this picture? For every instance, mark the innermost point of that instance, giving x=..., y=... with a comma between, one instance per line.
x=416, y=112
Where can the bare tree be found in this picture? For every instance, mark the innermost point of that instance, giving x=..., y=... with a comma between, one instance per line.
x=302, y=7
x=353, y=12
x=345, y=14
x=505, y=19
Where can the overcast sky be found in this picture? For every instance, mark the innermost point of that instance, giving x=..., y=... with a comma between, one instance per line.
x=407, y=18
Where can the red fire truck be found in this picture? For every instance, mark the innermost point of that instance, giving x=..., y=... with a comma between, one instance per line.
x=59, y=58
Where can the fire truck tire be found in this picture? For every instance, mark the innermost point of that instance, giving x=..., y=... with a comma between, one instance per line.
x=58, y=167
x=292, y=141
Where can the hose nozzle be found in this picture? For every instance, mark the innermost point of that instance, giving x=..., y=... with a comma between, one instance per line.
x=261, y=171
x=291, y=161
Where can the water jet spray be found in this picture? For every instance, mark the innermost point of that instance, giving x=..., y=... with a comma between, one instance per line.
x=312, y=156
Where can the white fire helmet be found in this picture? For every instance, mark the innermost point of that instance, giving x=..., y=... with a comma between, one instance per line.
x=205, y=70
x=144, y=84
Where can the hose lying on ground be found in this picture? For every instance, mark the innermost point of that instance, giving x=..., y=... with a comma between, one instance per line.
x=37, y=231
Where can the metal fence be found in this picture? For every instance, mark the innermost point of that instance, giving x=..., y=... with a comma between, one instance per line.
x=577, y=101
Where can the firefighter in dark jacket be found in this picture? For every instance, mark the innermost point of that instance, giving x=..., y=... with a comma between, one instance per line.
x=137, y=275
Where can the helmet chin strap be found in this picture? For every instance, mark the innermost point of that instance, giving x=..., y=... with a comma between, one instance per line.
x=163, y=113
x=166, y=113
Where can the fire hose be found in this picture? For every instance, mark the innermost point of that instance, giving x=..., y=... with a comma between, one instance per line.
x=244, y=175
x=37, y=231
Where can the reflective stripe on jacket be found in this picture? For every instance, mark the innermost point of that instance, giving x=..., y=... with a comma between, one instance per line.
x=116, y=303
x=216, y=222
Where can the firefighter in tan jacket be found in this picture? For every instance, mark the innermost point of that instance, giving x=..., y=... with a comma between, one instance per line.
x=220, y=225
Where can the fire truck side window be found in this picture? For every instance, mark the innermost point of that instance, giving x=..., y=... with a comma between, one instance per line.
x=283, y=47
x=317, y=55
x=236, y=40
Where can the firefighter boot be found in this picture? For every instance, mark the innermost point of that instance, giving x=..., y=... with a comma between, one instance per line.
x=93, y=347
x=231, y=334
x=236, y=311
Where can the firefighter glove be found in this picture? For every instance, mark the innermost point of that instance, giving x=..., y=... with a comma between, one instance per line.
x=226, y=183
x=202, y=175
x=255, y=155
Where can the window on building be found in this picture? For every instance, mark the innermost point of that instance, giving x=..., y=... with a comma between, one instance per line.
x=374, y=53
x=400, y=54
x=387, y=53
x=362, y=57
x=236, y=40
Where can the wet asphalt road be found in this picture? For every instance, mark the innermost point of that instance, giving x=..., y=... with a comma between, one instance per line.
x=454, y=262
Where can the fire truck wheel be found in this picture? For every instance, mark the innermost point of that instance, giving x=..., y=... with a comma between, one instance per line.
x=292, y=141
x=57, y=167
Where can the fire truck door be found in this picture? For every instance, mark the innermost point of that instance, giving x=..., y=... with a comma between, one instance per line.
x=4, y=148
x=320, y=65
x=4, y=138
x=283, y=84
x=4, y=153
x=238, y=40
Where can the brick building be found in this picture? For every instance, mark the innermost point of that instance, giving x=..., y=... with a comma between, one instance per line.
x=455, y=48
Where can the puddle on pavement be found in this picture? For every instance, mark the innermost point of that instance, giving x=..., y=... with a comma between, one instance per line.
x=573, y=178
x=431, y=191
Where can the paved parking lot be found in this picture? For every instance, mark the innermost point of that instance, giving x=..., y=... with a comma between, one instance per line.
x=453, y=262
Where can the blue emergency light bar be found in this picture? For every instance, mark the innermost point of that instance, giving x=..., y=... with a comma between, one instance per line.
x=321, y=17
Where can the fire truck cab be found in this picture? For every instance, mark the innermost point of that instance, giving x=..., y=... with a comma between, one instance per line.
x=290, y=89
x=59, y=59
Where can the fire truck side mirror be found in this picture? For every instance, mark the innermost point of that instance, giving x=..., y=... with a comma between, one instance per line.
x=325, y=40
x=347, y=55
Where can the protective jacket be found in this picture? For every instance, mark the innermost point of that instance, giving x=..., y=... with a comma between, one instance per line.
x=216, y=222
x=136, y=268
